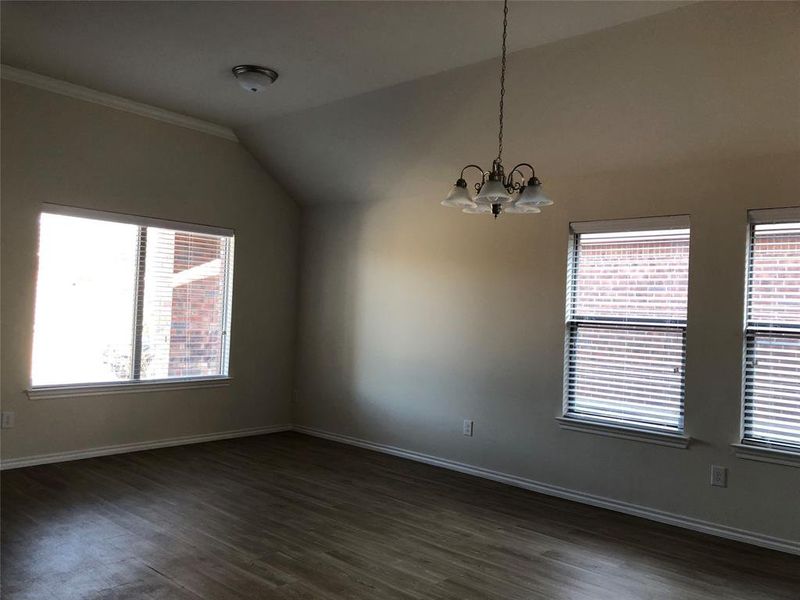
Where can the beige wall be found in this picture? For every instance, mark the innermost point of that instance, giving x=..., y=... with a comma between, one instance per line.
x=415, y=317
x=66, y=151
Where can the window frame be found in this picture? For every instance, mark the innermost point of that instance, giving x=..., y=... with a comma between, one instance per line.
x=135, y=383
x=762, y=450
x=631, y=430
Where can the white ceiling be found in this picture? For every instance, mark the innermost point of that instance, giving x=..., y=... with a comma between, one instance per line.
x=710, y=82
x=178, y=55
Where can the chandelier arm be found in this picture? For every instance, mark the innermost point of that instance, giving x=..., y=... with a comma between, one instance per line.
x=517, y=169
x=510, y=184
x=473, y=167
x=479, y=185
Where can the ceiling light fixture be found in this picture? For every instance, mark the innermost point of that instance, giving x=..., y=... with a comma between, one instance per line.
x=498, y=192
x=254, y=78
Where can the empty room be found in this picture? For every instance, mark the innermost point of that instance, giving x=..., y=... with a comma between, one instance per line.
x=388, y=300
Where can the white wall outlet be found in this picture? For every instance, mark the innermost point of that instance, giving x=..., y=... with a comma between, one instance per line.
x=719, y=476
x=468, y=427
x=8, y=419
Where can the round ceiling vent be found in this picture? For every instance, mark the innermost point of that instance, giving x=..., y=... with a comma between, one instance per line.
x=254, y=78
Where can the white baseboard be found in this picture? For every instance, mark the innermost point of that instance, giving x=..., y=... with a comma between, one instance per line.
x=42, y=459
x=724, y=531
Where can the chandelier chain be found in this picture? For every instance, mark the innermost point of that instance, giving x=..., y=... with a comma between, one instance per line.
x=499, y=191
x=502, y=81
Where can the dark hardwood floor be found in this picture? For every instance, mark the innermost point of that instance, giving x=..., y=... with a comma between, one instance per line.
x=290, y=516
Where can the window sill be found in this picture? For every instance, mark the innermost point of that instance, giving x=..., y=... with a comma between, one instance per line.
x=125, y=387
x=637, y=434
x=767, y=454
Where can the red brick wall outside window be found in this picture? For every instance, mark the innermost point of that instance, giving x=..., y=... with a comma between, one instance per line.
x=185, y=297
x=772, y=349
x=627, y=304
x=196, y=331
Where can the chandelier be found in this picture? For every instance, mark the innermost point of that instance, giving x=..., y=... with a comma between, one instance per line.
x=499, y=192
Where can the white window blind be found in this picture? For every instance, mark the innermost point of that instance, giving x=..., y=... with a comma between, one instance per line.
x=772, y=337
x=626, y=324
x=129, y=300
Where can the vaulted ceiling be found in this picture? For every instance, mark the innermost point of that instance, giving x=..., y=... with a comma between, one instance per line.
x=178, y=55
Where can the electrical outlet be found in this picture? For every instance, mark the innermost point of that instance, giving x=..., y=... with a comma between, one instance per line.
x=468, y=427
x=7, y=421
x=719, y=476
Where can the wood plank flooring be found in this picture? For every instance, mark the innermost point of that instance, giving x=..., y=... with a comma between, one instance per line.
x=288, y=516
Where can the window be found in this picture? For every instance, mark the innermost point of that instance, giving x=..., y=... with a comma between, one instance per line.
x=626, y=322
x=128, y=299
x=772, y=331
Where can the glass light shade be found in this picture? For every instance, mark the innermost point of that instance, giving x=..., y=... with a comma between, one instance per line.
x=521, y=209
x=493, y=192
x=253, y=81
x=458, y=198
x=532, y=196
x=478, y=209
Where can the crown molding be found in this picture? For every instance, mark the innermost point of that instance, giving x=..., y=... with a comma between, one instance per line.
x=65, y=88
